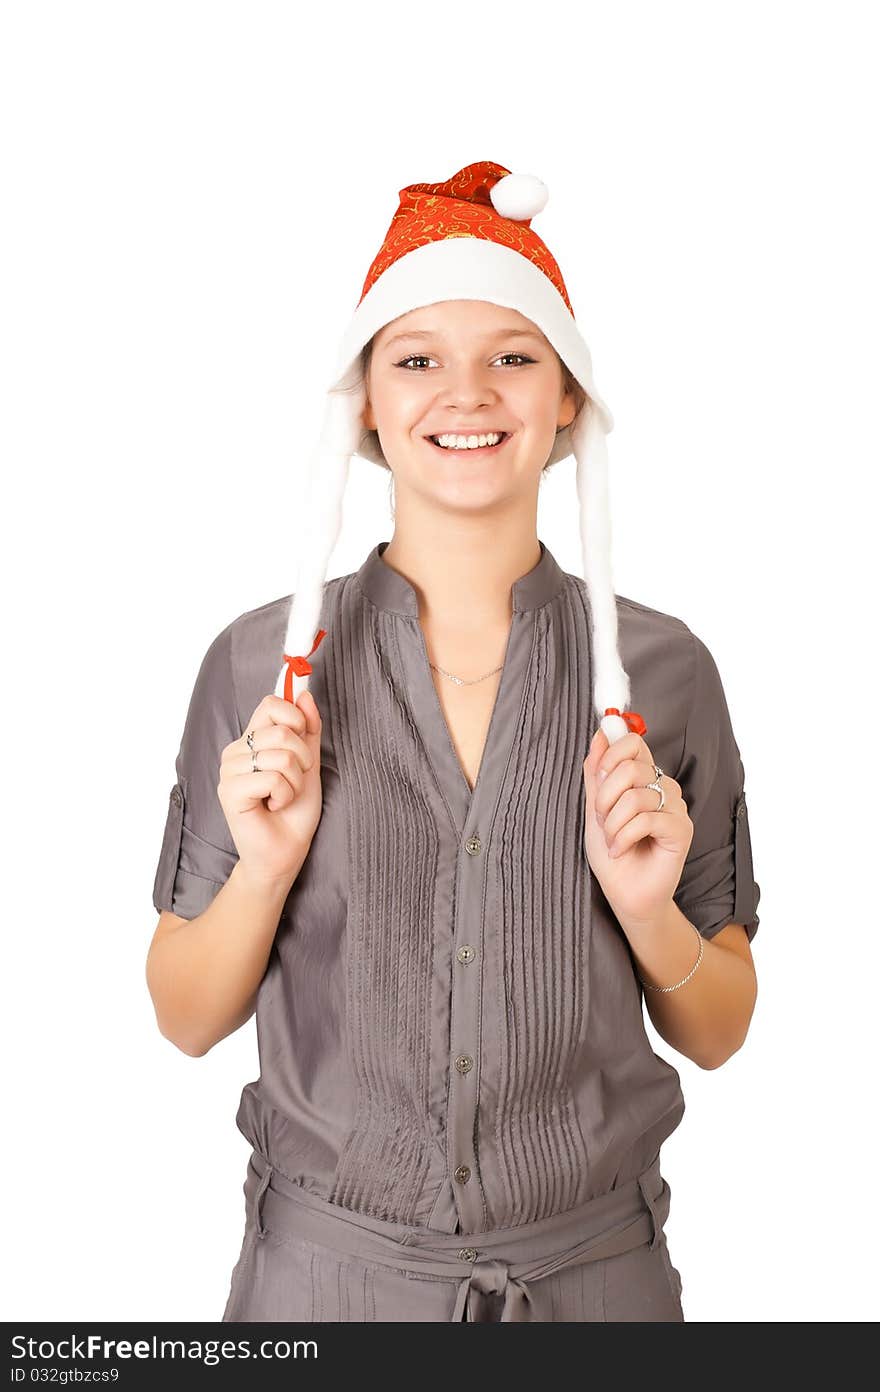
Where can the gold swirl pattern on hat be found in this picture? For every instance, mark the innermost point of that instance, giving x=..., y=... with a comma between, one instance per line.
x=460, y=207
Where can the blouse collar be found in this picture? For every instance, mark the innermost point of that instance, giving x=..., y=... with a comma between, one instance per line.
x=390, y=590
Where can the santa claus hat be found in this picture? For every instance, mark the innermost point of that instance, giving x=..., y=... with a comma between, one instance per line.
x=468, y=238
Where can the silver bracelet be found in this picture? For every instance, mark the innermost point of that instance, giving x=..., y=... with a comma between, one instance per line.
x=648, y=985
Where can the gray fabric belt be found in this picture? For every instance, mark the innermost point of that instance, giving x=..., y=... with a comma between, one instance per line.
x=500, y=1262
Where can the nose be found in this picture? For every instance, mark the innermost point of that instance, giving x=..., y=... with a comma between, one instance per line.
x=467, y=388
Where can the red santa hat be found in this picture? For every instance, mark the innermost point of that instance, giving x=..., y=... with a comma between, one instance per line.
x=467, y=238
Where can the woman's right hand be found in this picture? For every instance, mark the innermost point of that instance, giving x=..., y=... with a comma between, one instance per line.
x=273, y=814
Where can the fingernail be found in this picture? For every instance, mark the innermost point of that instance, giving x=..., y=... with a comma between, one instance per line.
x=602, y=774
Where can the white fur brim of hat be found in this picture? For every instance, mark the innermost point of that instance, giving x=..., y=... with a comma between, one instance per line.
x=462, y=268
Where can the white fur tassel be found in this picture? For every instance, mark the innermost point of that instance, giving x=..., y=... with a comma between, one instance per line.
x=320, y=522
x=611, y=685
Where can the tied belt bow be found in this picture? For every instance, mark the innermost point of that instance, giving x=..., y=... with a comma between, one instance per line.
x=492, y=1278
x=501, y=1262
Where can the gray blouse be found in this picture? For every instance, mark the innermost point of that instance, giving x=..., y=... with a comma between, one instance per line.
x=450, y=1024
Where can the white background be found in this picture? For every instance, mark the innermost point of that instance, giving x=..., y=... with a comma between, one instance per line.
x=192, y=195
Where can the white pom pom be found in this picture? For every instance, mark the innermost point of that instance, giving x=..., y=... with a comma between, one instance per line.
x=614, y=727
x=519, y=196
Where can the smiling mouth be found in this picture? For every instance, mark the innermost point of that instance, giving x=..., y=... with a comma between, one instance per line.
x=469, y=449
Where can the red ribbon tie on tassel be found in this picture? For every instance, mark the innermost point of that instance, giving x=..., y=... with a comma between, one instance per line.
x=634, y=721
x=300, y=665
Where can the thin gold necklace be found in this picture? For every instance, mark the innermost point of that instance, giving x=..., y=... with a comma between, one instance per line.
x=460, y=681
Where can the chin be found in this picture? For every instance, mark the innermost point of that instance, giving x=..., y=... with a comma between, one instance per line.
x=475, y=496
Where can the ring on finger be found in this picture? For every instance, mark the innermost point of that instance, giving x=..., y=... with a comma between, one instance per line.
x=657, y=786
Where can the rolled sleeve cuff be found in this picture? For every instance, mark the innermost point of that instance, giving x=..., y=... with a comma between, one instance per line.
x=720, y=887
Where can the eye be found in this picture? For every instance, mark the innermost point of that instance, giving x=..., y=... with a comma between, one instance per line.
x=421, y=357
x=415, y=357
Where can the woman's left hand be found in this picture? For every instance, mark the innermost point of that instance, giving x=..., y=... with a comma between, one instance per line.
x=651, y=847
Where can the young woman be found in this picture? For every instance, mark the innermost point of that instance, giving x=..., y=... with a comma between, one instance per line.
x=439, y=854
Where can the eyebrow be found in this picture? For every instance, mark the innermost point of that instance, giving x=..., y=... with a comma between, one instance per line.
x=493, y=333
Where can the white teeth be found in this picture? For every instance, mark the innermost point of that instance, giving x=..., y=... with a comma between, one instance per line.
x=467, y=441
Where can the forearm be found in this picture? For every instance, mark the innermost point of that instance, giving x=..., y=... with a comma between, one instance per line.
x=707, y=1018
x=204, y=973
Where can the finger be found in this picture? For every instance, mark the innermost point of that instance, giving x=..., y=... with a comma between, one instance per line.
x=312, y=734
x=598, y=748
x=628, y=747
x=627, y=773
x=638, y=778
x=249, y=790
x=274, y=710
x=276, y=737
x=629, y=804
x=646, y=752
x=280, y=749
x=658, y=825
x=291, y=781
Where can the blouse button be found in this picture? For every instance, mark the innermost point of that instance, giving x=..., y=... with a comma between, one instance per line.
x=466, y=954
x=463, y=1174
x=472, y=845
x=464, y=1063
x=468, y=1254
x=741, y=808
x=175, y=796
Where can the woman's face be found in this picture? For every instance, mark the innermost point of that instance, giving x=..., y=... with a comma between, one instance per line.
x=464, y=368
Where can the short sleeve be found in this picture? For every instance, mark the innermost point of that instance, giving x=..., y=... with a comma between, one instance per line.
x=717, y=884
x=197, y=853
